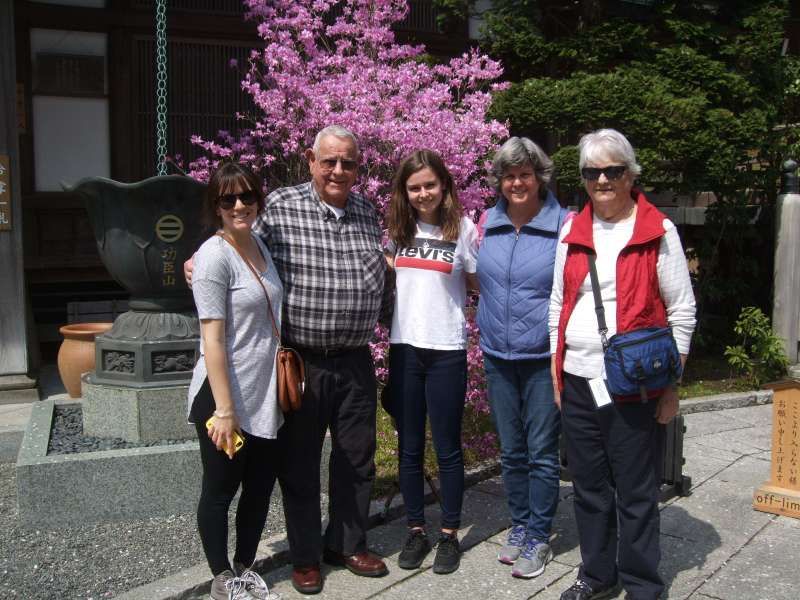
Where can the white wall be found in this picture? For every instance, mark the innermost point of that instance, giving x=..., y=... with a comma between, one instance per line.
x=70, y=135
x=70, y=140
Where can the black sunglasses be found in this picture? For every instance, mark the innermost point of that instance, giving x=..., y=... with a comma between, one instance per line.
x=612, y=173
x=228, y=201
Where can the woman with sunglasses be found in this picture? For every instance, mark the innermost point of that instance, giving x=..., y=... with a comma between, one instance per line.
x=232, y=396
x=432, y=248
x=613, y=445
x=515, y=269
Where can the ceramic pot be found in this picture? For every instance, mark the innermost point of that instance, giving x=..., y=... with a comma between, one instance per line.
x=76, y=354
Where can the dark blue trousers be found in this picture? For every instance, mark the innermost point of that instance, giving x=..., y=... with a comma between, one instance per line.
x=614, y=456
x=429, y=383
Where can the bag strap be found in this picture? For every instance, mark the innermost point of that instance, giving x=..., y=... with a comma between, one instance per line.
x=602, y=328
x=250, y=266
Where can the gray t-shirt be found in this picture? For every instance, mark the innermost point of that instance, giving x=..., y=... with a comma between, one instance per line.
x=224, y=288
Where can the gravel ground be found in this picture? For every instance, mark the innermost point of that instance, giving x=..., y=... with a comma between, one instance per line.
x=67, y=435
x=96, y=561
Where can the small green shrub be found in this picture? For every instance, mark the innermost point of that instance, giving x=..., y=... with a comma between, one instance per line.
x=760, y=355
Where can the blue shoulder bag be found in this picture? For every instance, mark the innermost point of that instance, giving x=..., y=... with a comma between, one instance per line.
x=638, y=361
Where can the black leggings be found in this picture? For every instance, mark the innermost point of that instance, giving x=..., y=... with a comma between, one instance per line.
x=254, y=467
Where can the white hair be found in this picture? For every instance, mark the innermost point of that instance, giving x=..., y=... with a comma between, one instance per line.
x=607, y=144
x=336, y=131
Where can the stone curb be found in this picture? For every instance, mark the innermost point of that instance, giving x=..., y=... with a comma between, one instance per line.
x=725, y=401
x=65, y=489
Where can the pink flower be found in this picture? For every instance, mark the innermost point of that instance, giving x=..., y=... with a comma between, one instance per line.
x=337, y=61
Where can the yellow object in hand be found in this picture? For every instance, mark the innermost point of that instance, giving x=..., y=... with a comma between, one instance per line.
x=238, y=440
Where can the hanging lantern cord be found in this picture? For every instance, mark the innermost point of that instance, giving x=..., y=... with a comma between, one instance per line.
x=161, y=87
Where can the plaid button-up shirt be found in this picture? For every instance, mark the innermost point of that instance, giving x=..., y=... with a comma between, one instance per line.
x=333, y=271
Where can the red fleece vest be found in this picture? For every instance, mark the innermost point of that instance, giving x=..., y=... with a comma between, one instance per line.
x=639, y=302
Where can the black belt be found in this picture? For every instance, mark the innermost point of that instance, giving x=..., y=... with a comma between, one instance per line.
x=328, y=352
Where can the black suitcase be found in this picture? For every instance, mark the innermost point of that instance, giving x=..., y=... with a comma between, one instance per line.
x=673, y=481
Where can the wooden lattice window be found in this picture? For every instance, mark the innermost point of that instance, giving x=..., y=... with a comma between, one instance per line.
x=204, y=96
x=216, y=7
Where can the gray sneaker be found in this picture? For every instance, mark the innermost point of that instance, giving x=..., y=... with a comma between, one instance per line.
x=513, y=546
x=532, y=560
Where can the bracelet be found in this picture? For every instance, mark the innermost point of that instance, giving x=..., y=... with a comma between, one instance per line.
x=220, y=415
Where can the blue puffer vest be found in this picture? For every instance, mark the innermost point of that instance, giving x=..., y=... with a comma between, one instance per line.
x=516, y=275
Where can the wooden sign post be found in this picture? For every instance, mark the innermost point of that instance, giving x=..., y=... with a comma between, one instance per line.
x=15, y=383
x=781, y=494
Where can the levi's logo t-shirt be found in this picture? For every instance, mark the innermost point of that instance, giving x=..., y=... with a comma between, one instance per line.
x=427, y=253
x=431, y=287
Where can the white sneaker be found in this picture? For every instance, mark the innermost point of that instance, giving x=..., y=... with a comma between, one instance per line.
x=226, y=586
x=254, y=585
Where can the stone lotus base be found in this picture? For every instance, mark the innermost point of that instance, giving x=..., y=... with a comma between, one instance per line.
x=136, y=414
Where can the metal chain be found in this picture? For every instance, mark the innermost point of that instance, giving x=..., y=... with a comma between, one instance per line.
x=161, y=86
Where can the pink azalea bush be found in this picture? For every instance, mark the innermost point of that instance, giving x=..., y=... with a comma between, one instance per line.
x=337, y=62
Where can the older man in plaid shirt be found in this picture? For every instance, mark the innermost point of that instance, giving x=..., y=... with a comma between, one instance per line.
x=325, y=241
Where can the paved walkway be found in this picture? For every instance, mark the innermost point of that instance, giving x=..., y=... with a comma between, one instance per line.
x=714, y=545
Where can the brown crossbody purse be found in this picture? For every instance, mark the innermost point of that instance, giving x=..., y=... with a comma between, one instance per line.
x=289, y=364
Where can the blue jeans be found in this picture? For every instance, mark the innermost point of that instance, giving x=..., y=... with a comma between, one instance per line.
x=528, y=423
x=431, y=382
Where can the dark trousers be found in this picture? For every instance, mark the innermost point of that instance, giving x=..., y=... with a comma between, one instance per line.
x=254, y=467
x=429, y=383
x=340, y=394
x=614, y=457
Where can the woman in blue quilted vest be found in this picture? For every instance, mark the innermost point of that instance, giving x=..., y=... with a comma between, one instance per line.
x=515, y=270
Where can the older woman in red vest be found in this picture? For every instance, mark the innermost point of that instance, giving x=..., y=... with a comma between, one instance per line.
x=613, y=444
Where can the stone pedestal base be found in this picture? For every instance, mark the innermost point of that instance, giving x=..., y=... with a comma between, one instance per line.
x=148, y=350
x=136, y=414
x=144, y=364
x=777, y=500
x=15, y=389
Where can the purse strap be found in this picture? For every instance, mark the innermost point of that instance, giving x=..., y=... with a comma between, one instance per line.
x=250, y=266
x=602, y=328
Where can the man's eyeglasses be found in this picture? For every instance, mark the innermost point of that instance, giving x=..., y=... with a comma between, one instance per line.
x=329, y=164
x=228, y=201
x=612, y=173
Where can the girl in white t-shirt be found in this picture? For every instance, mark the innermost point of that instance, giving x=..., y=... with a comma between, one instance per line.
x=433, y=249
